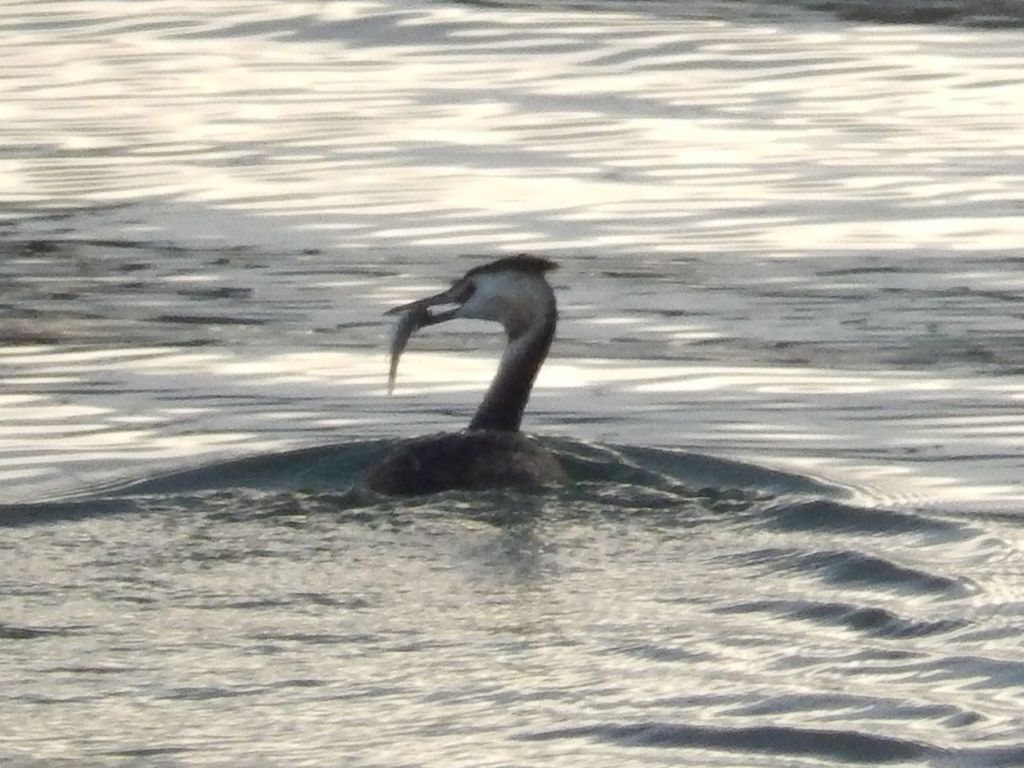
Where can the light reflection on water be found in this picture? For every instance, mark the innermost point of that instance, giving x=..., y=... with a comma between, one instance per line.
x=401, y=130
x=786, y=240
x=725, y=630
x=899, y=378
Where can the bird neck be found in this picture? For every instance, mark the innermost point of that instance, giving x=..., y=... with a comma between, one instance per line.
x=503, y=405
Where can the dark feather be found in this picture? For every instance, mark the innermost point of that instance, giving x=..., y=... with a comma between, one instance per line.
x=521, y=262
x=472, y=460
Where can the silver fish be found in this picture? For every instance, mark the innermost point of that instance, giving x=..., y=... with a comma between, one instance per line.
x=410, y=321
x=416, y=315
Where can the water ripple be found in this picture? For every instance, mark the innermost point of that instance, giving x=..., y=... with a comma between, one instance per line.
x=789, y=358
x=855, y=568
x=850, y=746
x=875, y=621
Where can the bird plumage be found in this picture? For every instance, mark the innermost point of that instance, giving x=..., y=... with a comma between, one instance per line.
x=492, y=453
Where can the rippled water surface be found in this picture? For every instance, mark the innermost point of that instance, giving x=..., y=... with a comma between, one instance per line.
x=786, y=384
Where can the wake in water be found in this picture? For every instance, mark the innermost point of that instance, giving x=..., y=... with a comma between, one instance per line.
x=996, y=14
x=624, y=480
x=661, y=600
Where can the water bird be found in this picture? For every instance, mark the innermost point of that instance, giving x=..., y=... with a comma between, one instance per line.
x=492, y=452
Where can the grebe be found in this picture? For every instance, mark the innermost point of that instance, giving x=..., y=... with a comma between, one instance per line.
x=492, y=452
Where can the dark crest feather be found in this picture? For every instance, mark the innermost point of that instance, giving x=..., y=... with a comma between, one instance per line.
x=521, y=262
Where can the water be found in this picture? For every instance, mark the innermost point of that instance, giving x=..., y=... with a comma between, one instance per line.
x=786, y=384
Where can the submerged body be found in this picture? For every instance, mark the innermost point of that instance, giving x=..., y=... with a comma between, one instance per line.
x=471, y=460
x=492, y=453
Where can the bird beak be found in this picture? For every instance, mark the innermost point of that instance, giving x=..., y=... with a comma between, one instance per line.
x=419, y=309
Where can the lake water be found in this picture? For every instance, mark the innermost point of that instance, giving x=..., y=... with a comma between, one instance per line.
x=787, y=384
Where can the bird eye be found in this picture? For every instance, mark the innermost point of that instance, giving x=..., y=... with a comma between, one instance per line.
x=466, y=292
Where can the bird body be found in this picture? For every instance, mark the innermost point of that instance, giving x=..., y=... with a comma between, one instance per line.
x=492, y=453
x=473, y=460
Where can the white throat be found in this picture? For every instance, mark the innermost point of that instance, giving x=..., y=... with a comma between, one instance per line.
x=521, y=302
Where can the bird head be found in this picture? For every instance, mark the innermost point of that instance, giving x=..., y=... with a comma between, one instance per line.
x=511, y=291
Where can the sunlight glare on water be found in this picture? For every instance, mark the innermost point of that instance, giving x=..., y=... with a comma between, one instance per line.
x=786, y=384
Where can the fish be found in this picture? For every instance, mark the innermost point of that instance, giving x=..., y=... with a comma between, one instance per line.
x=411, y=320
